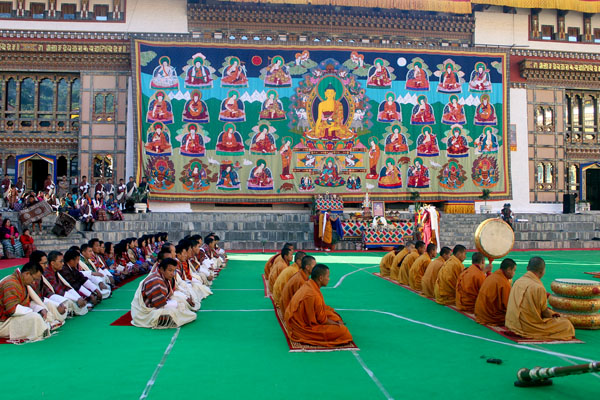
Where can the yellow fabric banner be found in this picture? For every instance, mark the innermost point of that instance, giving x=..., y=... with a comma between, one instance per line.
x=588, y=6
x=450, y=6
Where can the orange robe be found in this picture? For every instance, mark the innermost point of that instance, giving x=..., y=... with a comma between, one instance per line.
x=291, y=287
x=282, y=279
x=269, y=264
x=526, y=302
x=490, y=307
x=306, y=316
x=278, y=266
x=445, y=284
x=405, y=267
x=430, y=276
x=386, y=263
x=417, y=270
x=467, y=288
x=395, y=267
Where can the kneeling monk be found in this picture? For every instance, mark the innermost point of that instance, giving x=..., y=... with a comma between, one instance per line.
x=490, y=307
x=470, y=281
x=309, y=320
x=527, y=313
x=386, y=262
x=445, y=284
x=154, y=305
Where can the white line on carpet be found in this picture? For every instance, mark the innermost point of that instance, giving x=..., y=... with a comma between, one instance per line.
x=339, y=282
x=160, y=365
x=237, y=289
x=372, y=375
x=112, y=309
x=518, y=346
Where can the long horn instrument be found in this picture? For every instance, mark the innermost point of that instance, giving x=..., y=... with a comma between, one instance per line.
x=539, y=376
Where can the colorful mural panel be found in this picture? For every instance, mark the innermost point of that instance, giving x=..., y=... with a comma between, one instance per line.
x=265, y=123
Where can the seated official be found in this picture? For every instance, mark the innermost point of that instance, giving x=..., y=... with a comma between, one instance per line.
x=432, y=270
x=76, y=304
x=153, y=305
x=445, y=284
x=310, y=320
x=296, y=281
x=418, y=268
x=490, y=306
x=285, y=276
x=20, y=319
x=527, y=312
x=470, y=281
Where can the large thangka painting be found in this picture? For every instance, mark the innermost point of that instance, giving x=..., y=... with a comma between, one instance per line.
x=261, y=123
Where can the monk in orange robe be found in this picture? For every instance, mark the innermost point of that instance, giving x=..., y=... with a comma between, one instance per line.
x=285, y=276
x=431, y=273
x=470, y=281
x=272, y=260
x=408, y=262
x=395, y=268
x=310, y=320
x=415, y=275
x=296, y=281
x=386, y=262
x=287, y=255
x=527, y=312
x=445, y=284
x=490, y=306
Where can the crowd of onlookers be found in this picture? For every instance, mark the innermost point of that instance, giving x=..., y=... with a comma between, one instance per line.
x=102, y=201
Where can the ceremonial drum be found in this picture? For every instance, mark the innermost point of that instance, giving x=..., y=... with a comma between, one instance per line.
x=64, y=224
x=35, y=213
x=578, y=300
x=494, y=238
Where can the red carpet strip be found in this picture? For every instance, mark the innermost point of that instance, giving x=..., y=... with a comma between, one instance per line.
x=501, y=330
x=13, y=262
x=297, y=347
x=123, y=320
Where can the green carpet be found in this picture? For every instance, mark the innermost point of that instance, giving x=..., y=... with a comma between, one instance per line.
x=410, y=348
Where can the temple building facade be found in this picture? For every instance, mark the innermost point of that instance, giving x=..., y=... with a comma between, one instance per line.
x=68, y=85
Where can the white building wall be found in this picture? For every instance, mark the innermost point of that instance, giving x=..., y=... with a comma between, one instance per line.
x=506, y=30
x=519, y=162
x=145, y=16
